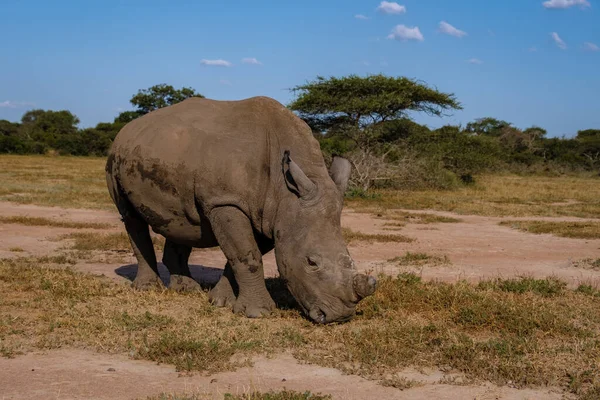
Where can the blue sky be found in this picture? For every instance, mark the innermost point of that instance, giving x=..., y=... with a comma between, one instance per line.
x=499, y=57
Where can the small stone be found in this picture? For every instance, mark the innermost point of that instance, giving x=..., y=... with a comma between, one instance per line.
x=283, y=380
x=111, y=370
x=33, y=369
x=213, y=380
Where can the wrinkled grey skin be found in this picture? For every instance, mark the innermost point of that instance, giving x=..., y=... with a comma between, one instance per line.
x=247, y=176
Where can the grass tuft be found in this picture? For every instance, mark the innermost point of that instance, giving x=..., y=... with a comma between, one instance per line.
x=588, y=263
x=548, y=287
x=39, y=221
x=272, y=395
x=568, y=229
x=351, y=236
x=89, y=241
x=420, y=259
x=416, y=218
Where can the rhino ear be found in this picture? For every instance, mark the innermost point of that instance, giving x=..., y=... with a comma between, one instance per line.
x=295, y=179
x=340, y=173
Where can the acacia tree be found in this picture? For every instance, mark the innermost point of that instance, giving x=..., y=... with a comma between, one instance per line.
x=159, y=96
x=153, y=98
x=353, y=106
x=487, y=126
x=364, y=110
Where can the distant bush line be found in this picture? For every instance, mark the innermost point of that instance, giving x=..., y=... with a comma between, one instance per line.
x=366, y=123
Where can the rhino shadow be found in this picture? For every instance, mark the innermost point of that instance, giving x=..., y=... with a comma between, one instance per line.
x=208, y=277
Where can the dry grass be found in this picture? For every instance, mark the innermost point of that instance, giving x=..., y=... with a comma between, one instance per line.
x=351, y=236
x=39, y=221
x=283, y=395
x=16, y=250
x=568, y=229
x=118, y=241
x=588, y=263
x=499, y=195
x=529, y=332
x=76, y=182
x=79, y=182
x=400, y=382
x=414, y=218
x=420, y=259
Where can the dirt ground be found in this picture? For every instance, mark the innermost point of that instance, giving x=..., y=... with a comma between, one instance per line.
x=477, y=248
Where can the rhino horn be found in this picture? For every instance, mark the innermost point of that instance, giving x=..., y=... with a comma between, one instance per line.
x=364, y=285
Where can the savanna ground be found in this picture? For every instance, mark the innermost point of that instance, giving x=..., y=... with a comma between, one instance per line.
x=486, y=292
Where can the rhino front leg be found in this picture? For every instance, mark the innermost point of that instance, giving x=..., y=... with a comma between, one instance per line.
x=236, y=238
x=175, y=258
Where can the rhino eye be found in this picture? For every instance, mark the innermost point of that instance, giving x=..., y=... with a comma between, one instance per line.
x=312, y=262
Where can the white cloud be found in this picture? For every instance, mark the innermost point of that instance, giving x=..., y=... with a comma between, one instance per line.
x=403, y=32
x=225, y=82
x=216, y=63
x=450, y=30
x=387, y=7
x=533, y=49
x=15, y=104
x=251, y=60
x=589, y=46
x=360, y=16
x=475, y=61
x=559, y=42
x=566, y=3
x=366, y=63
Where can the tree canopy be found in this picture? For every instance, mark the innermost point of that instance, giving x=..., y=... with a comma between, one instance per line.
x=362, y=101
x=159, y=96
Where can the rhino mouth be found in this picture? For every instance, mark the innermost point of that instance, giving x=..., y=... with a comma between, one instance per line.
x=318, y=315
x=318, y=312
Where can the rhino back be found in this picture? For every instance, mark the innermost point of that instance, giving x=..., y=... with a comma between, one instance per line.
x=177, y=163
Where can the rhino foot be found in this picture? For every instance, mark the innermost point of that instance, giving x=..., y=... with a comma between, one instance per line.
x=222, y=294
x=254, y=307
x=147, y=283
x=181, y=283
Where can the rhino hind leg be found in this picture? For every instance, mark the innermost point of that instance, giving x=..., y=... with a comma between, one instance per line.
x=224, y=292
x=175, y=258
x=235, y=235
x=139, y=235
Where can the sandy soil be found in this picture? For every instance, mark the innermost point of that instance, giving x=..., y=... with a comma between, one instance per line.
x=77, y=374
x=477, y=248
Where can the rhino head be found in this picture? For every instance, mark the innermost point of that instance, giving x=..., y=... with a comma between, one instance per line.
x=311, y=253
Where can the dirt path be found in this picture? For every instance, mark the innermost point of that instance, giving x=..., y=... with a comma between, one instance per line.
x=477, y=248
x=78, y=374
